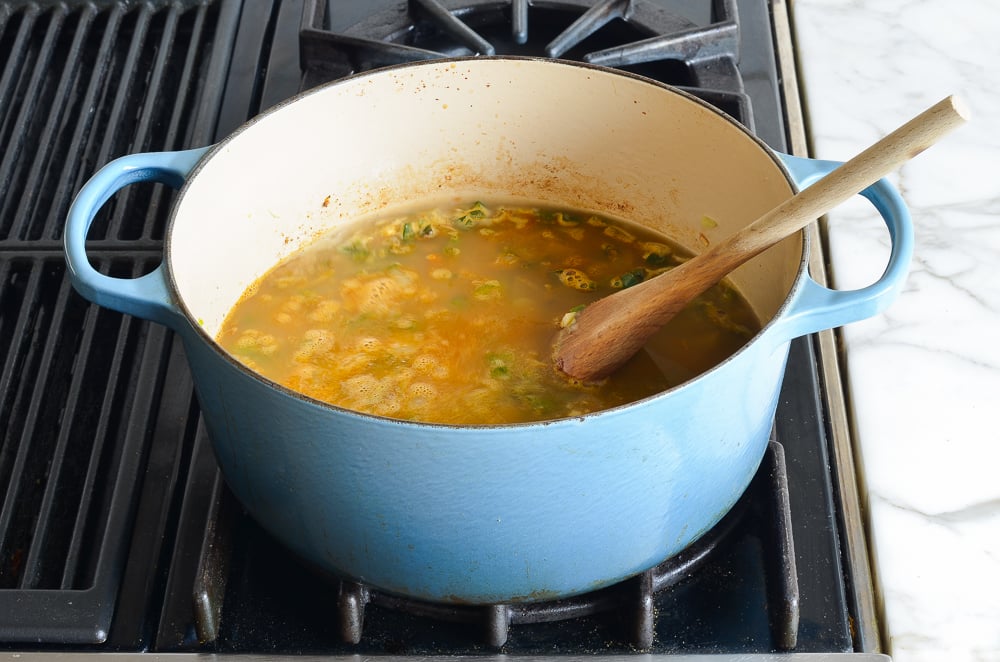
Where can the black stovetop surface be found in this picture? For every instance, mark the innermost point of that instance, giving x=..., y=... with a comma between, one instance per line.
x=116, y=530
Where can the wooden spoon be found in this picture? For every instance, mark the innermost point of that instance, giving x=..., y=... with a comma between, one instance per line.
x=608, y=332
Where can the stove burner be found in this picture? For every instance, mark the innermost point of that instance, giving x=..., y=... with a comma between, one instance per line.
x=633, y=34
x=108, y=474
x=632, y=600
x=630, y=34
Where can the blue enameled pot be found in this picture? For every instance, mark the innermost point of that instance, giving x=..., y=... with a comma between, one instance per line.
x=480, y=514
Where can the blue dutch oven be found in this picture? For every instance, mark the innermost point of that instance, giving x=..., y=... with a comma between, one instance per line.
x=480, y=514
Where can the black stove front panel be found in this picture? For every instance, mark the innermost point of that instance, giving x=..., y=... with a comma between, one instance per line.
x=116, y=531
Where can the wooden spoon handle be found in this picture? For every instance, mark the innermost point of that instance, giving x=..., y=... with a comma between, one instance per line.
x=848, y=179
x=609, y=331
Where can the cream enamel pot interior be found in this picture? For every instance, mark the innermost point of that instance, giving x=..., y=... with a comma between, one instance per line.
x=478, y=514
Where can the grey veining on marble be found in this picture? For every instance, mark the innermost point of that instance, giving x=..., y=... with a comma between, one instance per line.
x=924, y=378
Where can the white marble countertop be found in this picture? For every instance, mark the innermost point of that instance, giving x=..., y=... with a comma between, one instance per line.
x=924, y=378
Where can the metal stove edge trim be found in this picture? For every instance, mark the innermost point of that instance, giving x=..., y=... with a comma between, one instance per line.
x=869, y=630
x=196, y=657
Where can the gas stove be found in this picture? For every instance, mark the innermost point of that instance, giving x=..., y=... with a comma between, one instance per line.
x=117, y=532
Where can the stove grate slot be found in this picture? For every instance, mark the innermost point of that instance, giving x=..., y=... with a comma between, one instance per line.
x=628, y=34
x=80, y=84
x=75, y=412
x=454, y=26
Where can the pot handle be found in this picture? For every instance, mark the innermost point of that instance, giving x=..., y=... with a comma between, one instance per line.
x=148, y=296
x=817, y=307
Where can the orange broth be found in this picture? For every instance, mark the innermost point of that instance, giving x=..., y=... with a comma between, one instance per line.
x=448, y=315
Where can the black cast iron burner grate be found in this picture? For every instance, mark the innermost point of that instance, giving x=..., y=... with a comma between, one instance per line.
x=632, y=602
x=80, y=386
x=634, y=35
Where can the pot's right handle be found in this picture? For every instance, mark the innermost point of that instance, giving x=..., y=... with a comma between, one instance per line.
x=148, y=296
x=818, y=307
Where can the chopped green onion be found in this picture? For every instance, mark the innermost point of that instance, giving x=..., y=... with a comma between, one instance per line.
x=471, y=216
x=617, y=233
x=488, y=290
x=565, y=220
x=576, y=279
x=499, y=365
x=628, y=279
x=357, y=250
x=568, y=319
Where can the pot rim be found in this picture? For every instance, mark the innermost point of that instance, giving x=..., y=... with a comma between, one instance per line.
x=211, y=152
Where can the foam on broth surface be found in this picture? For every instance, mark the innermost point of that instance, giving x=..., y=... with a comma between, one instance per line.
x=447, y=315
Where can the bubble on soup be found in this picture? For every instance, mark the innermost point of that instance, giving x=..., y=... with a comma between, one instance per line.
x=369, y=344
x=420, y=395
x=369, y=393
x=426, y=364
x=380, y=295
x=254, y=341
x=325, y=310
x=315, y=344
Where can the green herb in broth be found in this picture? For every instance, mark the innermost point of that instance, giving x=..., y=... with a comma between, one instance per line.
x=447, y=315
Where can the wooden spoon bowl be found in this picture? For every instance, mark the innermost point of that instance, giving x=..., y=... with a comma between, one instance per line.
x=608, y=332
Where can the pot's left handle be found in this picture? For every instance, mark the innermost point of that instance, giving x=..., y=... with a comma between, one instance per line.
x=148, y=296
x=817, y=307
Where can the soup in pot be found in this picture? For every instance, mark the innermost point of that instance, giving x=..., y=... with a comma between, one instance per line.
x=447, y=315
